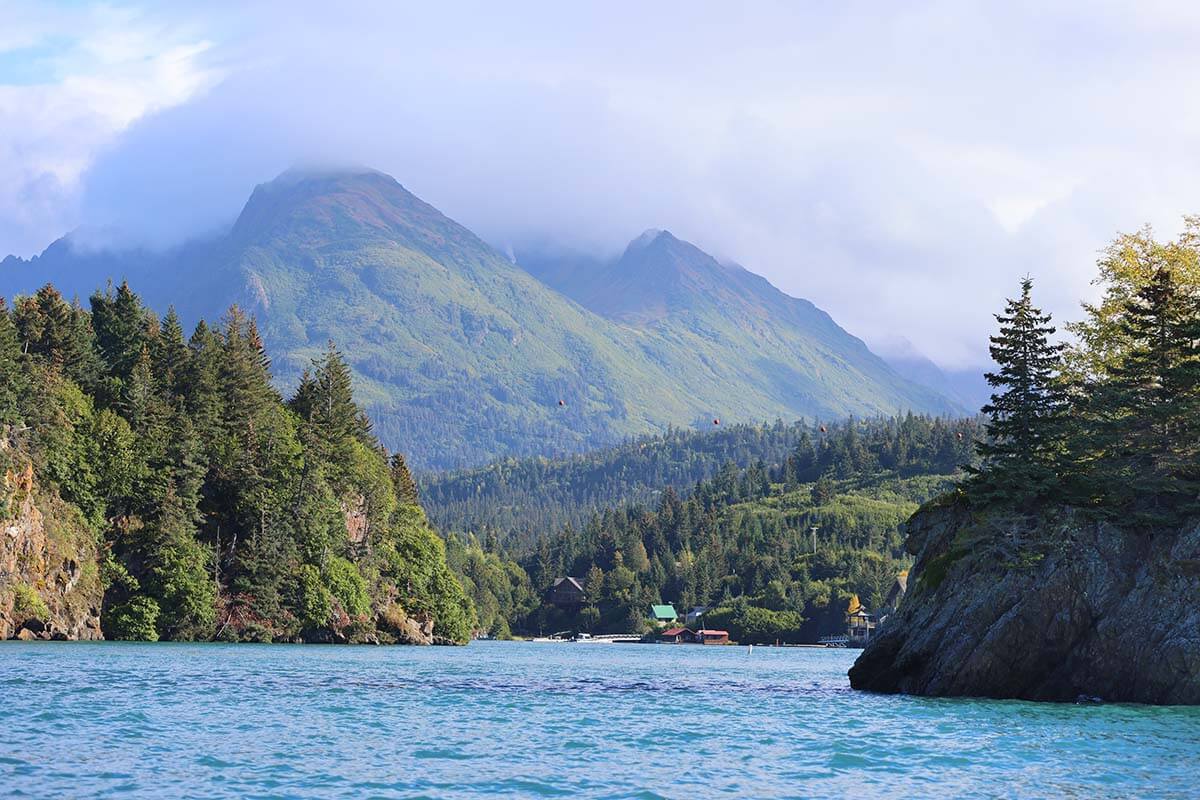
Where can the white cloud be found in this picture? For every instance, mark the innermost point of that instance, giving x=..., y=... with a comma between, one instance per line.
x=901, y=166
x=97, y=73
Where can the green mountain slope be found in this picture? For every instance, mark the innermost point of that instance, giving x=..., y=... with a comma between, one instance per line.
x=461, y=356
x=751, y=337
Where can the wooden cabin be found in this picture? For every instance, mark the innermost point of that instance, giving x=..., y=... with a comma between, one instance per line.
x=677, y=636
x=566, y=593
x=709, y=636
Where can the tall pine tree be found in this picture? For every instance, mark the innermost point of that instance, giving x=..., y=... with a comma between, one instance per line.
x=1021, y=456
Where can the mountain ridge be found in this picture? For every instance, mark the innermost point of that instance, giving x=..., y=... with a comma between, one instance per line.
x=462, y=357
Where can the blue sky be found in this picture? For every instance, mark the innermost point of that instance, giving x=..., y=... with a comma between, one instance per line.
x=901, y=165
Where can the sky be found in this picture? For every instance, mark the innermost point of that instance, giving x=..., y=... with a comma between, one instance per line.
x=901, y=165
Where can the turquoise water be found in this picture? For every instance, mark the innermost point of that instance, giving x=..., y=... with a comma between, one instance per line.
x=544, y=720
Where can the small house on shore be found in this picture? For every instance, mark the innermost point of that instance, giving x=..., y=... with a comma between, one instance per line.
x=709, y=636
x=566, y=593
x=693, y=616
x=678, y=636
x=859, y=623
x=664, y=613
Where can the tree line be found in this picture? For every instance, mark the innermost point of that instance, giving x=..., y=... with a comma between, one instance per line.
x=222, y=510
x=741, y=541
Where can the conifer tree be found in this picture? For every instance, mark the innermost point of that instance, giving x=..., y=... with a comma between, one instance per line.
x=402, y=480
x=14, y=382
x=1021, y=456
x=203, y=399
x=120, y=322
x=59, y=335
x=171, y=357
x=1146, y=424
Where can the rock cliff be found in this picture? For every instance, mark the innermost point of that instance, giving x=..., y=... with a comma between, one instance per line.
x=49, y=578
x=1062, y=607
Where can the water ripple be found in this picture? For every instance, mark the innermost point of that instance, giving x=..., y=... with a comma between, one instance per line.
x=528, y=720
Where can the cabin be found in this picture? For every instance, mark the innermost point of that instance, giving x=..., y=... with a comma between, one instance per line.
x=677, y=636
x=693, y=616
x=663, y=613
x=566, y=593
x=859, y=623
x=709, y=636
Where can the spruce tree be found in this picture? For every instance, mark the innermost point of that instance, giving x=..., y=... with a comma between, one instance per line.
x=1021, y=457
x=171, y=357
x=1146, y=429
x=120, y=322
x=59, y=335
x=402, y=480
x=14, y=382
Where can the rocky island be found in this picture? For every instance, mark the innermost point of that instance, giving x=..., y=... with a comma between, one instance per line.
x=1069, y=608
x=1067, y=566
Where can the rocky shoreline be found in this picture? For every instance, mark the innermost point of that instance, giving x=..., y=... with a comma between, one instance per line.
x=1062, y=608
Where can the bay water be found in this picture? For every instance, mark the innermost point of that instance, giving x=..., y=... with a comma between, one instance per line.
x=545, y=720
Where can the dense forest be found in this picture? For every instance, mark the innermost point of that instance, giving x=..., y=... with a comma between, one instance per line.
x=742, y=541
x=512, y=500
x=219, y=510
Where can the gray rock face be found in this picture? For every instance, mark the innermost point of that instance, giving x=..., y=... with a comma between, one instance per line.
x=1057, y=609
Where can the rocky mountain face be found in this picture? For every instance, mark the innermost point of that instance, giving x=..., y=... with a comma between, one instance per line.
x=462, y=356
x=49, y=578
x=1063, y=608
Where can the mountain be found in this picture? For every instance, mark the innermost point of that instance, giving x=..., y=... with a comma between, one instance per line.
x=750, y=336
x=967, y=387
x=461, y=356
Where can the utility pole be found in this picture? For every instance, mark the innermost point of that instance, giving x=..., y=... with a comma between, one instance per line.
x=813, y=530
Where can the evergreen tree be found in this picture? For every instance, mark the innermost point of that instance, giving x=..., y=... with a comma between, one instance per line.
x=1146, y=410
x=171, y=357
x=14, y=381
x=120, y=322
x=402, y=480
x=59, y=335
x=1021, y=456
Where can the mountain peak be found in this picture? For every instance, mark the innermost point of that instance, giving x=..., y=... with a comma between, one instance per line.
x=322, y=207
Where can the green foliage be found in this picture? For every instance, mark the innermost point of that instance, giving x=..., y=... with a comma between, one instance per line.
x=221, y=511
x=515, y=499
x=177, y=576
x=135, y=620
x=1115, y=430
x=28, y=604
x=743, y=540
x=313, y=602
x=347, y=586
x=463, y=356
x=14, y=379
x=1022, y=451
x=749, y=624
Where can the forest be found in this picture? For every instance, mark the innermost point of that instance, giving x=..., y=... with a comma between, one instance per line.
x=220, y=510
x=742, y=541
x=1105, y=424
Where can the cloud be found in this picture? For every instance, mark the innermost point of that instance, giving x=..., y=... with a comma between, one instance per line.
x=71, y=83
x=900, y=166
